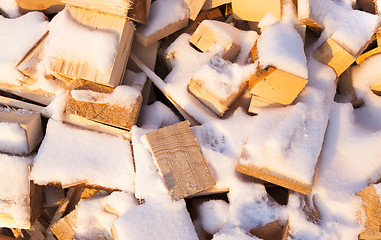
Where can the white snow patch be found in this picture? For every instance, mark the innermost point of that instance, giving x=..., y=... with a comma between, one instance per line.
x=163, y=116
x=268, y=20
x=233, y=233
x=214, y=214
x=377, y=188
x=10, y=8
x=13, y=138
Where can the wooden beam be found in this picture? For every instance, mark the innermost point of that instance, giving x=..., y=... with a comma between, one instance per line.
x=180, y=160
x=372, y=206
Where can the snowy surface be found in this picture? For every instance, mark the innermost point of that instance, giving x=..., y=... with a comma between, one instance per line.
x=233, y=234
x=214, y=214
x=13, y=138
x=163, y=13
x=377, y=188
x=14, y=189
x=281, y=46
x=68, y=155
x=268, y=20
x=222, y=78
x=10, y=8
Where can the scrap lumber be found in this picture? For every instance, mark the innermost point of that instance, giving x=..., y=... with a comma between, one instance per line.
x=180, y=161
x=371, y=203
x=255, y=10
x=209, y=4
x=28, y=122
x=210, y=14
x=195, y=7
x=276, y=230
x=369, y=6
x=368, y=54
x=107, y=22
x=106, y=113
x=49, y=6
x=64, y=228
x=140, y=10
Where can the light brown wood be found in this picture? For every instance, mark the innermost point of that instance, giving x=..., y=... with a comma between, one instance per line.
x=195, y=7
x=120, y=8
x=369, y=6
x=368, y=54
x=335, y=56
x=274, y=178
x=180, y=160
x=140, y=10
x=30, y=123
x=83, y=70
x=212, y=14
x=210, y=191
x=372, y=207
x=3, y=237
x=114, y=233
x=255, y=10
x=64, y=228
x=162, y=33
x=209, y=4
x=271, y=231
x=378, y=36
x=38, y=5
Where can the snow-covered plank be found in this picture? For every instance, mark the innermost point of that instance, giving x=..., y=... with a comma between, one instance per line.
x=255, y=10
x=180, y=161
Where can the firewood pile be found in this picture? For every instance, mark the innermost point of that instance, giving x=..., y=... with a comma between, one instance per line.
x=190, y=119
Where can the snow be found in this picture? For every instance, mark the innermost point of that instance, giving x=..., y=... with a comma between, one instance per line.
x=233, y=234
x=10, y=8
x=163, y=13
x=377, y=188
x=281, y=46
x=14, y=189
x=163, y=116
x=13, y=138
x=82, y=44
x=268, y=20
x=214, y=215
x=68, y=155
x=222, y=78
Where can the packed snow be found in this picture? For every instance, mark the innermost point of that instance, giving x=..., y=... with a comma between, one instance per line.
x=13, y=138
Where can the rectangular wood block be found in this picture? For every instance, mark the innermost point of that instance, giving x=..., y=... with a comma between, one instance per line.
x=335, y=56
x=113, y=115
x=180, y=160
x=102, y=21
x=255, y=10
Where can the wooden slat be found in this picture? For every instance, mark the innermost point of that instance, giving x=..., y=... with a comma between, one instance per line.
x=372, y=206
x=180, y=161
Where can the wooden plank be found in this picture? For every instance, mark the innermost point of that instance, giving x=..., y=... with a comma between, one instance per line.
x=50, y=6
x=372, y=207
x=369, y=6
x=274, y=178
x=109, y=114
x=64, y=228
x=272, y=231
x=212, y=14
x=107, y=22
x=335, y=56
x=116, y=7
x=255, y=10
x=162, y=33
x=368, y=54
x=180, y=161
x=209, y=4
x=258, y=102
x=195, y=7
x=140, y=10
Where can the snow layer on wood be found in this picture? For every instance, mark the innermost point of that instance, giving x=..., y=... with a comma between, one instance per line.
x=10, y=8
x=281, y=46
x=17, y=37
x=222, y=78
x=93, y=222
x=354, y=33
x=13, y=138
x=14, y=188
x=123, y=96
x=163, y=116
x=83, y=44
x=268, y=20
x=214, y=214
x=234, y=234
x=163, y=13
x=68, y=155
x=135, y=80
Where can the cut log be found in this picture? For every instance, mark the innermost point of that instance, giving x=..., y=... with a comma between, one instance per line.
x=255, y=10
x=371, y=203
x=276, y=230
x=27, y=122
x=195, y=7
x=83, y=70
x=180, y=161
x=100, y=110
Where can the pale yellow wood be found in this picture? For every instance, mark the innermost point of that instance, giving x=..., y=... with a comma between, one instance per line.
x=194, y=7
x=38, y=5
x=210, y=14
x=372, y=206
x=258, y=102
x=74, y=184
x=335, y=56
x=255, y=10
x=114, y=233
x=210, y=191
x=162, y=33
x=368, y=54
x=180, y=160
x=209, y=4
x=114, y=7
x=64, y=228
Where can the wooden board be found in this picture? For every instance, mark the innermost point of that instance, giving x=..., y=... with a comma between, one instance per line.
x=368, y=54
x=274, y=178
x=180, y=160
x=101, y=21
x=195, y=7
x=255, y=10
x=50, y=6
x=140, y=10
x=212, y=14
x=116, y=7
x=276, y=230
x=369, y=6
x=209, y=4
x=372, y=207
x=113, y=115
x=154, y=37
x=30, y=122
x=258, y=102
x=335, y=56
x=64, y=228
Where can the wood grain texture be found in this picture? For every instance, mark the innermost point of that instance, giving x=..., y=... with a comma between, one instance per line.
x=372, y=207
x=209, y=4
x=64, y=228
x=180, y=161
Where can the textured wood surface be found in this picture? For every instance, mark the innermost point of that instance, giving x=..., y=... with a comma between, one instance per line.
x=64, y=228
x=114, y=7
x=372, y=207
x=180, y=161
x=195, y=7
x=272, y=231
x=212, y=14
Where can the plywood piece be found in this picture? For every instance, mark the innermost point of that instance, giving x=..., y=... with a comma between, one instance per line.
x=372, y=207
x=272, y=231
x=195, y=7
x=64, y=228
x=255, y=10
x=30, y=122
x=335, y=56
x=102, y=21
x=209, y=4
x=368, y=54
x=113, y=115
x=154, y=37
x=180, y=160
x=275, y=178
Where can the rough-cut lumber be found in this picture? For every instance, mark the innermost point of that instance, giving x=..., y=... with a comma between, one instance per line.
x=105, y=113
x=195, y=7
x=209, y=4
x=371, y=204
x=154, y=37
x=335, y=56
x=180, y=161
x=30, y=123
x=258, y=102
x=368, y=54
x=108, y=22
x=369, y=6
x=64, y=228
x=255, y=10
x=276, y=230
x=205, y=38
